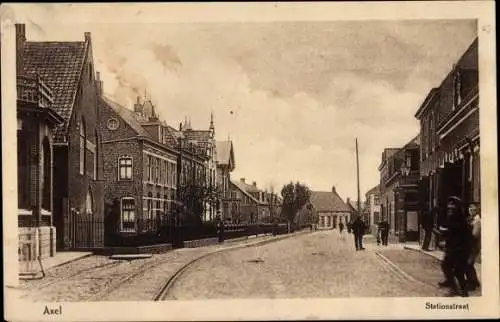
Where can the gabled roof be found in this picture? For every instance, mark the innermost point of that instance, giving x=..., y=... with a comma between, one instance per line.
x=225, y=154
x=127, y=116
x=373, y=190
x=242, y=188
x=328, y=201
x=60, y=64
x=352, y=204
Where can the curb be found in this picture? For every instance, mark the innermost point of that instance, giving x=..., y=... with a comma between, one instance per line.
x=171, y=280
x=434, y=255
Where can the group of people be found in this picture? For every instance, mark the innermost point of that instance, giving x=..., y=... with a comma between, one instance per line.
x=462, y=233
x=358, y=228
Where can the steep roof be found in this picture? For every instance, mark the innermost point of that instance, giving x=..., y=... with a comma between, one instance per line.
x=127, y=116
x=60, y=64
x=242, y=187
x=223, y=149
x=328, y=201
x=373, y=190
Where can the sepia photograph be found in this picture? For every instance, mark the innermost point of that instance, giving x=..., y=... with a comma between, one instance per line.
x=252, y=161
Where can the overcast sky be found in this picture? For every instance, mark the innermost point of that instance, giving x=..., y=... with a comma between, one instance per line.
x=292, y=96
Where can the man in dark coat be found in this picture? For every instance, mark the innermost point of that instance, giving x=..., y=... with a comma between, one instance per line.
x=457, y=248
x=384, y=231
x=358, y=229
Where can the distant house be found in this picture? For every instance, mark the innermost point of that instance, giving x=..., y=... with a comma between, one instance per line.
x=373, y=207
x=329, y=208
x=253, y=203
x=225, y=165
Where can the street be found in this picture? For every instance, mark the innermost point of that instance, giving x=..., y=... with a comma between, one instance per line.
x=301, y=265
x=312, y=265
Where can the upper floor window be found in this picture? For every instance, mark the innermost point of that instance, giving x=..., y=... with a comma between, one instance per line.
x=125, y=168
x=82, y=146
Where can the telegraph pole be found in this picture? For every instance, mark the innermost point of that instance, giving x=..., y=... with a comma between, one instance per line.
x=357, y=172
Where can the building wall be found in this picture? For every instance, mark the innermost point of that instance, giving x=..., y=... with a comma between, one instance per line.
x=77, y=184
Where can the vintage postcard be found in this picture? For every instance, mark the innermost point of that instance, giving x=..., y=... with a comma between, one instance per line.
x=249, y=161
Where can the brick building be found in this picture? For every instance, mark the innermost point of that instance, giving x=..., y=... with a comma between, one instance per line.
x=251, y=205
x=205, y=140
x=399, y=194
x=225, y=165
x=68, y=69
x=329, y=208
x=36, y=125
x=449, y=127
x=144, y=168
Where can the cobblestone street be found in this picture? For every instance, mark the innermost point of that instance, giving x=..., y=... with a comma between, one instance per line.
x=100, y=278
x=314, y=265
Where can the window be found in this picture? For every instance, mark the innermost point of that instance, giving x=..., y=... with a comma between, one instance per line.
x=96, y=154
x=158, y=205
x=82, y=147
x=150, y=168
x=128, y=214
x=150, y=205
x=125, y=168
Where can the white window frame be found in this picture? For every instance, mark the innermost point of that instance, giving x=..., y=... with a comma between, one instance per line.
x=122, y=229
x=131, y=167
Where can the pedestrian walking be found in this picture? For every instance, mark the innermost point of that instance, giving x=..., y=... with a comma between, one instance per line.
x=341, y=230
x=349, y=227
x=427, y=223
x=379, y=237
x=475, y=227
x=457, y=248
x=358, y=229
x=384, y=232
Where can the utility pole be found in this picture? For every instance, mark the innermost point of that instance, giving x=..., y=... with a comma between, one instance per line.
x=357, y=172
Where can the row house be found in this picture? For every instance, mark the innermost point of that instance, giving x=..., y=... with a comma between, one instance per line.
x=373, y=207
x=145, y=164
x=330, y=209
x=225, y=165
x=449, y=127
x=72, y=201
x=399, y=194
x=252, y=205
x=205, y=140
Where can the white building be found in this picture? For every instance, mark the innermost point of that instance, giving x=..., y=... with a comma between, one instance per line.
x=373, y=207
x=330, y=209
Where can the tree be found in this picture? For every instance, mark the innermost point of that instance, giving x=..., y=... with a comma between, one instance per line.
x=195, y=197
x=294, y=198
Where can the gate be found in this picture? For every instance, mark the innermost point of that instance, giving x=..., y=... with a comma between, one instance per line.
x=86, y=232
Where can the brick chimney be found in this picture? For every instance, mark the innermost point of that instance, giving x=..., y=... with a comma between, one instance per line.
x=138, y=105
x=333, y=189
x=254, y=184
x=98, y=84
x=87, y=36
x=20, y=40
x=242, y=180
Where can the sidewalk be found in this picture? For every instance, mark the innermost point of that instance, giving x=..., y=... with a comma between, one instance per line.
x=61, y=258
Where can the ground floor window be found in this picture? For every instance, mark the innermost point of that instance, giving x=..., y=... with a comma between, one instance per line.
x=128, y=214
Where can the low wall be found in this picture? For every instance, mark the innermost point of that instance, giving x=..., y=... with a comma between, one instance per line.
x=42, y=241
x=201, y=242
x=123, y=250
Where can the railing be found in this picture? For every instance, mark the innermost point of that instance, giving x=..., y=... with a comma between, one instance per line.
x=32, y=89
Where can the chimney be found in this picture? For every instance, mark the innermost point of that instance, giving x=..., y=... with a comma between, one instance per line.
x=333, y=189
x=348, y=200
x=20, y=40
x=87, y=36
x=242, y=180
x=99, y=84
x=137, y=105
x=180, y=126
x=254, y=184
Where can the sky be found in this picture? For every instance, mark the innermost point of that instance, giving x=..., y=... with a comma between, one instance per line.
x=292, y=96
